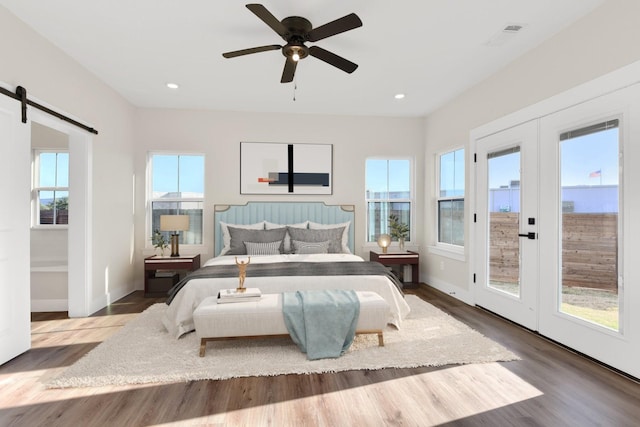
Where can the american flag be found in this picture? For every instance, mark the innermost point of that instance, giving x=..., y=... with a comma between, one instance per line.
x=595, y=174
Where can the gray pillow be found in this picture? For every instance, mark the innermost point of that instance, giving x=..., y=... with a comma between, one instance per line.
x=332, y=235
x=241, y=235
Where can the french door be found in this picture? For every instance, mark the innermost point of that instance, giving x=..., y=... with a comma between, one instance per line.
x=15, y=334
x=507, y=223
x=556, y=205
x=584, y=302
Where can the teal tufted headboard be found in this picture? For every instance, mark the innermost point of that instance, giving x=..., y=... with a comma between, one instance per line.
x=281, y=213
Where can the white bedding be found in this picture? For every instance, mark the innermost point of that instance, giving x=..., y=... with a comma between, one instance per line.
x=178, y=318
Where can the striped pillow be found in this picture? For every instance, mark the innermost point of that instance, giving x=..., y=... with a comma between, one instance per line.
x=269, y=248
x=310, y=247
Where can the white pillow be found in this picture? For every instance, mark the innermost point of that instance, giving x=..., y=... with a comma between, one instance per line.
x=286, y=248
x=226, y=237
x=345, y=233
x=271, y=225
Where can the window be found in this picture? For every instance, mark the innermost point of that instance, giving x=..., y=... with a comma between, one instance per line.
x=590, y=192
x=177, y=188
x=451, y=198
x=389, y=190
x=51, y=187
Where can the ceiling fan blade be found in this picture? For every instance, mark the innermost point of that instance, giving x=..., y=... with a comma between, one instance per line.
x=261, y=12
x=333, y=59
x=289, y=71
x=332, y=28
x=251, y=50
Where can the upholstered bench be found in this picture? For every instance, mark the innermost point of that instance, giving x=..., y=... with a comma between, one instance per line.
x=257, y=319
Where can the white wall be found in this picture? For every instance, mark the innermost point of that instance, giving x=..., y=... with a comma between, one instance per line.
x=218, y=136
x=53, y=77
x=601, y=42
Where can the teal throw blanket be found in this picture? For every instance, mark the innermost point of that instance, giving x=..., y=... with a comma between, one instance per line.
x=322, y=323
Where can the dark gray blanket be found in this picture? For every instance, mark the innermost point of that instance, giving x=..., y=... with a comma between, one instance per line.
x=356, y=268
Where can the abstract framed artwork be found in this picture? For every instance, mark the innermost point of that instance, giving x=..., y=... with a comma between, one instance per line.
x=280, y=168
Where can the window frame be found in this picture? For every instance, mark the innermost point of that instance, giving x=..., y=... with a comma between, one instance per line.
x=410, y=200
x=36, y=189
x=447, y=247
x=150, y=199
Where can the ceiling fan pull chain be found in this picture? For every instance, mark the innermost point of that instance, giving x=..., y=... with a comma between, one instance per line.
x=295, y=87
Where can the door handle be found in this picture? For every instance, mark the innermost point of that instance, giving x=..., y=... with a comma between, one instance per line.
x=530, y=235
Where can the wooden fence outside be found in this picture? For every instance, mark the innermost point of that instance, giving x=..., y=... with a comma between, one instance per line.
x=589, y=249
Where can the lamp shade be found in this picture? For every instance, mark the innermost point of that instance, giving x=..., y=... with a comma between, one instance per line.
x=174, y=222
x=384, y=240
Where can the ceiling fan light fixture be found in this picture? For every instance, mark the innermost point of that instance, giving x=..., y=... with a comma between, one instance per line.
x=295, y=52
x=296, y=31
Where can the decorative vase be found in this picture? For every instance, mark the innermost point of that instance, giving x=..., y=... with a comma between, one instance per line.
x=401, y=243
x=160, y=251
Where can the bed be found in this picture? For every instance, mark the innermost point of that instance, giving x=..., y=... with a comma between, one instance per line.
x=291, y=246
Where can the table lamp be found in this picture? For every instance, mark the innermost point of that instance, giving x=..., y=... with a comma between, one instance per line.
x=384, y=240
x=175, y=224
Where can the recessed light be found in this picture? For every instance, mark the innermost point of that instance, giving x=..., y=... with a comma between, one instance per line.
x=399, y=96
x=172, y=85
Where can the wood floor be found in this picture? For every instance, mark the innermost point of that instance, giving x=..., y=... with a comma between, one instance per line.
x=549, y=387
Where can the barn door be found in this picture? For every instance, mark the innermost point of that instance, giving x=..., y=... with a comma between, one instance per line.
x=15, y=146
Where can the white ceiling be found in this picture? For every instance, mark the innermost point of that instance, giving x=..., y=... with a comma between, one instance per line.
x=431, y=50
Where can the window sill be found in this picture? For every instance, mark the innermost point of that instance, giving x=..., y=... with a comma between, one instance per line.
x=448, y=251
x=50, y=227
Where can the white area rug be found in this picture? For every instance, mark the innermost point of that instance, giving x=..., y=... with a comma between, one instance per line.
x=143, y=352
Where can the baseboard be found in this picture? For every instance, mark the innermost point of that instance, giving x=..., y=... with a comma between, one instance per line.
x=43, y=305
x=119, y=293
x=452, y=290
x=109, y=297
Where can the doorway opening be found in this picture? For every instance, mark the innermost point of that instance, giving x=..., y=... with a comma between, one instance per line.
x=78, y=231
x=49, y=219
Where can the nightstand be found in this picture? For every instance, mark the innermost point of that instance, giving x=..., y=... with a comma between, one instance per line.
x=161, y=273
x=400, y=258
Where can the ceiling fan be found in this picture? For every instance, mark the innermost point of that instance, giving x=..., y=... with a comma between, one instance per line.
x=296, y=30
